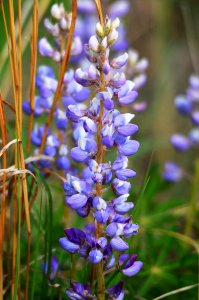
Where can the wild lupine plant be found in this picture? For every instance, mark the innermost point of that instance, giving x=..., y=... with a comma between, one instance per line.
x=187, y=105
x=98, y=129
x=56, y=146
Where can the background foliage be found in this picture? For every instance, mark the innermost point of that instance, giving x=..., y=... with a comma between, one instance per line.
x=167, y=33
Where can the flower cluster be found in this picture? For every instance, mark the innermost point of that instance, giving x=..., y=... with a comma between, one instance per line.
x=97, y=130
x=73, y=91
x=187, y=105
x=56, y=146
x=136, y=67
x=59, y=31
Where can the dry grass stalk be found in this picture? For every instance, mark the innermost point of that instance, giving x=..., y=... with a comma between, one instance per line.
x=16, y=70
x=99, y=11
x=12, y=171
x=33, y=68
x=3, y=201
x=27, y=27
x=5, y=147
x=9, y=105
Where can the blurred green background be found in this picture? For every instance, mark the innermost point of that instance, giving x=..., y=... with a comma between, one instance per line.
x=167, y=33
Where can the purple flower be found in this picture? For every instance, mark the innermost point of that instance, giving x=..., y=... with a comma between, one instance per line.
x=101, y=216
x=79, y=291
x=118, y=244
x=95, y=256
x=172, y=172
x=74, y=113
x=63, y=163
x=116, y=292
x=119, y=8
x=183, y=104
x=194, y=136
x=128, y=129
x=129, y=148
x=121, y=162
x=86, y=6
x=119, y=61
x=68, y=246
x=132, y=267
x=77, y=201
x=54, y=266
x=45, y=48
x=79, y=155
x=82, y=78
x=37, y=134
x=195, y=117
x=180, y=142
x=125, y=174
x=120, y=187
x=73, y=241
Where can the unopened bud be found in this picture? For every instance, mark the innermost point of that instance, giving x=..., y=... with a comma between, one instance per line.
x=99, y=30
x=112, y=37
x=116, y=23
x=57, y=11
x=93, y=43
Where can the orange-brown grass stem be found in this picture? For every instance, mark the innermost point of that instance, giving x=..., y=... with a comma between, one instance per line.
x=16, y=71
x=33, y=69
x=17, y=94
x=3, y=202
x=99, y=11
x=8, y=105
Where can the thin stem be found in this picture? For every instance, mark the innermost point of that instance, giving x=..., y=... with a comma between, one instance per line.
x=33, y=68
x=100, y=158
x=193, y=200
x=191, y=37
x=3, y=203
x=73, y=267
x=99, y=10
x=8, y=104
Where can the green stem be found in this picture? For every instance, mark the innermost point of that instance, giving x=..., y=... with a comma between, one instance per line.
x=193, y=200
x=73, y=267
x=100, y=282
x=99, y=227
x=18, y=254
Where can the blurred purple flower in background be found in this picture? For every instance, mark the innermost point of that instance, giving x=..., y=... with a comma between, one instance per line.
x=188, y=107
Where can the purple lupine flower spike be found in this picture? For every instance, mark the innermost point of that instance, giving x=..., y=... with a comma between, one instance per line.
x=101, y=125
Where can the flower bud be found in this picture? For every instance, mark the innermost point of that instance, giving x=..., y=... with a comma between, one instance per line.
x=107, y=26
x=57, y=11
x=93, y=43
x=104, y=43
x=45, y=48
x=116, y=23
x=99, y=30
x=119, y=61
x=113, y=36
x=63, y=23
